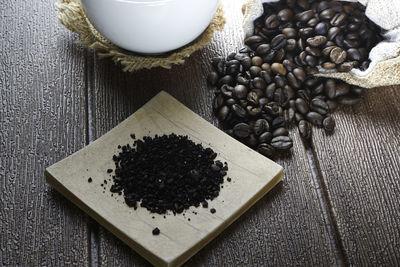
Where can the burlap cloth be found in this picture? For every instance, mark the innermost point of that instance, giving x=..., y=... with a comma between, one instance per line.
x=72, y=16
x=385, y=57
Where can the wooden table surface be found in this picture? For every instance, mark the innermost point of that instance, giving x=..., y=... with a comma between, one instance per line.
x=339, y=203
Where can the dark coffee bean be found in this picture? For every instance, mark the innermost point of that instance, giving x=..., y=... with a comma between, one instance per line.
x=226, y=91
x=279, y=81
x=251, y=141
x=252, y=111
x=313, y=51
x=293, y=82
x=263, y=101
x=269, y=92
x=255, y=70
x=351, y=43
x=301, y=106
x=218, y=102
x=242, y=80
x=329, y=124
x=333, y=32
x=241, y=130
x=266, y=150
x=305, y=16
x=352, y=36
x=339, y=40
x=338, y=55
x=301, y=44
x=332, y=105
x=272, y=21
x=311, y=82
x=223, y=113
x=290, y=33
x=330, y=88
x=230, y=101
x=246, y=63
x=304, y=4
x=347, y=100
x=267, y=78
x=311, y=61
x=261, y=126
x=289, y=65
x=342, y=89
x=327, y=50
x=328, y=65
x=298, y=117
x=305, y=129
x=278, y=42
x=279, y=55
x=291, y=45
x=282, y=142
x=285, y=15
x=338, y=20
x=346, y=66
x=282, y=131
x=238, y=111
x=299, y=74
x=278, y=122
x=337, y=6
x=322, y=6
x=265, y=137
x=321, y=28
x=327, y=14
x=316, y=40
x=319, y=89
x=278, y=68
x=319, y=106
x=227, y=79
x=253, y=98
x=315, y=118
x=256, y=61
x=306, y=32
x=259, y=83
x=213, y=78
x=313, y=22
x=240, y=91
x=266, y=67
x=263, y=49
x=231, y=56
x=254, y=40
x=304, y=94
x=354, y=54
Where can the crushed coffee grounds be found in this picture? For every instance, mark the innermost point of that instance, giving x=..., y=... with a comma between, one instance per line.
x=167, y=173
x=156, y=231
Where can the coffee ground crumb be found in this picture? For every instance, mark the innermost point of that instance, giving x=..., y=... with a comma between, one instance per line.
x=90, y=180
x=212, y=210
x=156, y=231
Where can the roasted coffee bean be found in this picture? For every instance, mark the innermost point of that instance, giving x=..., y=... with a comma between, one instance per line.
x=240, y=91
x=311, y=61
x=313, y=51
x=293, y=81
x=290, y=33
x=253, y=41
x=332, y=105
x=329, y=65
x=242, y=80
x=321, y=28
x=330, y=88
x=329, y=124
x=251, y=141
x=285, y=14
x=272, y=21
x=338, y=55
x=227, y=79
x=327, y=50
x=259, y=83
x=306, y=32
x=319, y=106
x=263, y=49
x=301, y=106
x=213, y=78
x=278, y=42
x=291, y=45
x=246, y=63
x=279, y=81
x=327, y=14
x=238, y=111
x=226, y=91
x=253, y=98
x=218, y=102
x=230, y=101
x=342, y=89
x=288, y=115
x=282, y=142
x=354, y=54
x=338, y=20
x=282, y=131
x=319, y=89
x=313, y=22
x=265, y=137
x=316, y=41
x=305, y=129
x=346, y=66
x=280, y=55
x=266, y=67
x=256, y=61
x=241, y=130
x=223, y=113
x=304, y=94
x=305, y=16
x=298, y=117
x=252, y=111
x=333, y=32
x=315, y=118
x=254, y=70
x=278, y=122
x=261, y=126
x=266, y=150
x=269, y=92
x=278, y=68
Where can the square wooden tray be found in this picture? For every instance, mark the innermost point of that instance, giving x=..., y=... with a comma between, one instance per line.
x=252, y=177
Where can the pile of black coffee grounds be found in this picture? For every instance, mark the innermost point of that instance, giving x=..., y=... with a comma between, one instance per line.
x=167, y=173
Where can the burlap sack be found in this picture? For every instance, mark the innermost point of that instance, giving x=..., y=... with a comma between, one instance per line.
x=385, y=57
x=72, y=16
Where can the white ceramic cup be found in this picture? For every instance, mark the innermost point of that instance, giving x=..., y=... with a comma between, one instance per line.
x=150, y=26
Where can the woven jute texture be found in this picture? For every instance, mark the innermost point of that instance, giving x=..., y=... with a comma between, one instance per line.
x=72, y=16
x=384, y=69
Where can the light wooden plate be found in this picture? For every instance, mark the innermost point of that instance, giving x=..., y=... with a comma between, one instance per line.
x=252, y=177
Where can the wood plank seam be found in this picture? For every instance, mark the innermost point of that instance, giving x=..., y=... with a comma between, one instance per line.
x=326, y=206
x=93, y=238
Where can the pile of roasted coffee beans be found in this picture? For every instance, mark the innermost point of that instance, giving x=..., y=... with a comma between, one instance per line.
x=168, y=172
x=270, y=84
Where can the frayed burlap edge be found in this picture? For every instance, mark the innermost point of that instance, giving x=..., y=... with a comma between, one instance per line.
x=72, y=16
x=385, y=73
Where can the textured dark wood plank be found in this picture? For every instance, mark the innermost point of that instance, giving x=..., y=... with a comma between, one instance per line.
x=42, y=120
x=361, y=167
x=284, y=227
